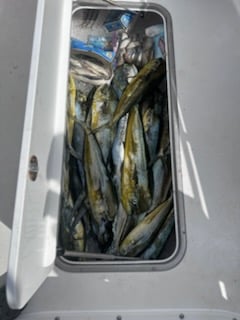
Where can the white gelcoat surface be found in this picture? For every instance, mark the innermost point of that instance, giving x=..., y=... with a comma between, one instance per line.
x=207, y=53
x=16, y=36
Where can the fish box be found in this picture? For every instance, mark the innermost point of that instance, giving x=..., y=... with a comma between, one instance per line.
x=99, y=185
x=119, y=196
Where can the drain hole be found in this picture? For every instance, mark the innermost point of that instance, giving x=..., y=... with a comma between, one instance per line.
x=33, y=168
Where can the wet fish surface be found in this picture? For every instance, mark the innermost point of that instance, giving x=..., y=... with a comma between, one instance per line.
x=154, y=250
x=138, y=87
x=135, y=194
x=103, y=106
x=140, y=237
x=100, y=189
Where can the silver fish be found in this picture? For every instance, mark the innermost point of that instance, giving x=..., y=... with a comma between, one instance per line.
x=95, y=81
x=66, y=220
x=142, y=235
x=167, y=184
x=146, y=78
x=92, y=244
x=81, y=107
x=83, y=89
x=138, y=54
x=101, y=194
x=118, y=152
x=151, y=111
x=165, y=138
x=159, y=171
x=76, y=181
x=80, y=115
x=85, y=65
x=135, y=194
x=122, y=77
x=154, y=250
x=103, y=106
x=119, y=227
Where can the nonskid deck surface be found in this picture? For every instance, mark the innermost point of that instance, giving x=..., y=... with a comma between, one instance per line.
x=208, y=275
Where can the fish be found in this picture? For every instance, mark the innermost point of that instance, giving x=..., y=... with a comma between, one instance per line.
x=139, y=52
x=142, y=235
x=95, y=81
x=146, y=112
x=92, y=244
x=158, y=173
x=165, y=138
x=145, y=79
x=80, y=226
x=77, y=141
x=65, y=176
x=151, y=118
x=81, y=106
x=77, y=148
x=90, y=69
x=134, y=50
x=167, y=186
x=162, y=47
x=104, y=103
x=138, y=55
x=84, y=65
x=101, y=194
x=78, y=236
x=66, y=220
x=71, y=108
x=83, y=89
x=75, y=111
x=110, y=137
x=135, y=194
x=76, y=183
x=118, y=153
x=88, y=104
x=123, y=75
x=155, y=248
x=120, y=228
x=77, y=151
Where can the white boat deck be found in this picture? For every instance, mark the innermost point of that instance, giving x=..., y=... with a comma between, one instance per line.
x=206, y=283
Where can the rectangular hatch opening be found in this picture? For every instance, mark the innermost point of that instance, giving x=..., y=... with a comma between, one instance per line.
x=120, y=206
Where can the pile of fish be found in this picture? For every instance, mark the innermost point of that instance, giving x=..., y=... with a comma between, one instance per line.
x=117, y=183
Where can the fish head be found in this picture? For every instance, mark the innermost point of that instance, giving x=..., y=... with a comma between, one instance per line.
x=128, y=246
